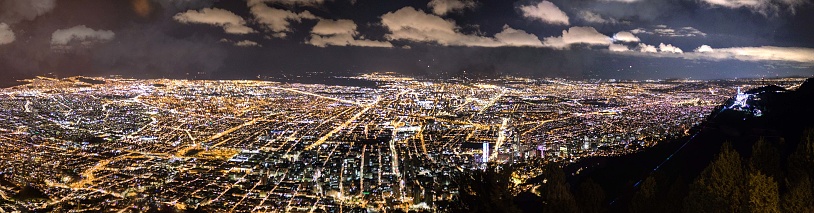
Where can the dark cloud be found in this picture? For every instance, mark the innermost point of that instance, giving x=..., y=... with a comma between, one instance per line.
x=13, y=11
x=72, y=39
x=764, y=7
x=174, y=6
x=140, y=38
x=147, y=52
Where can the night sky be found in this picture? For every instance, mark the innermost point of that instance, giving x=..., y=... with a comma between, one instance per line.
x=623, y=39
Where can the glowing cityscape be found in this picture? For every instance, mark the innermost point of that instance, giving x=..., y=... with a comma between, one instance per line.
x=255, y=146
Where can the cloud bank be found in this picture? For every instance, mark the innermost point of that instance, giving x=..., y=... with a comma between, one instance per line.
x=765, y=7
x=442, y=7
x=409, y=24
x=669, y=48
x=85, y=36
x=798, y=55
x=277, y=21
x=577, y=35
x=231, y=23
x=625, y=36
x=515, y=37
x=340, y=33
x=592, y=17
x=762, y=53
x=618, y=48
x=546, y=12
x=645, y=48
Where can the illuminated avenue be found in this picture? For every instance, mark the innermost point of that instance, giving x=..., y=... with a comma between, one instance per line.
x=254, y=146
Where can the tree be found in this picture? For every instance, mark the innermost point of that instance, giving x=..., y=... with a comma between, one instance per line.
x=799, y=198
x=763, y=195
x=800, y=195
x=486, y=190
x=801, y=162
x=675, y=195
x=719, y=188
x=555, y=192
x=644, y=200
x=591, y=197
x=766, y=159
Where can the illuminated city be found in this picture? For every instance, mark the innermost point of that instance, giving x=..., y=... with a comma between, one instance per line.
x=405, y=106
x=255, y=146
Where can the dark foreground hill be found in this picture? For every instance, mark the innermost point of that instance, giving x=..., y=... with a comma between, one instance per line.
x=785, y=115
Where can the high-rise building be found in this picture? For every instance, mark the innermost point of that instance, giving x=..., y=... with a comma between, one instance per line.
x=485, y=156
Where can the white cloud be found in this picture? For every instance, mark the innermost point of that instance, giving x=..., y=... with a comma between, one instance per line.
x=799, y=55
x=62, y=37
x=662, y=48
x=592, y=17
x=669, y=48
x=230, y=22
x=6, y=35
x=247, y=43
x=577, y=35
x=410, y=24
x=665, y=31
x=442, y=7
x=763, y=53
x=765, y=7
x=329, y=27
x=545, y=11
x=514, y=37
x=703, y=48
x=690, y=31
x=276, y=20
x=639, y=31
x=645, y=48
x=413, y=25
x=340, y=33
x=618, y=48
x=625, y=36
x=243, y=43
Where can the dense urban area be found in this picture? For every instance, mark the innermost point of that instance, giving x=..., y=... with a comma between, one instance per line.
x=92, y=144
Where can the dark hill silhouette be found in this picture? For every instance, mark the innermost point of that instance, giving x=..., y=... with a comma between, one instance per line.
x=770, y=88
x=785, y=116
x=807, y=87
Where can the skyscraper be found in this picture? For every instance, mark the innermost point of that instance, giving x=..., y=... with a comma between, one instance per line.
x=485, y=156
